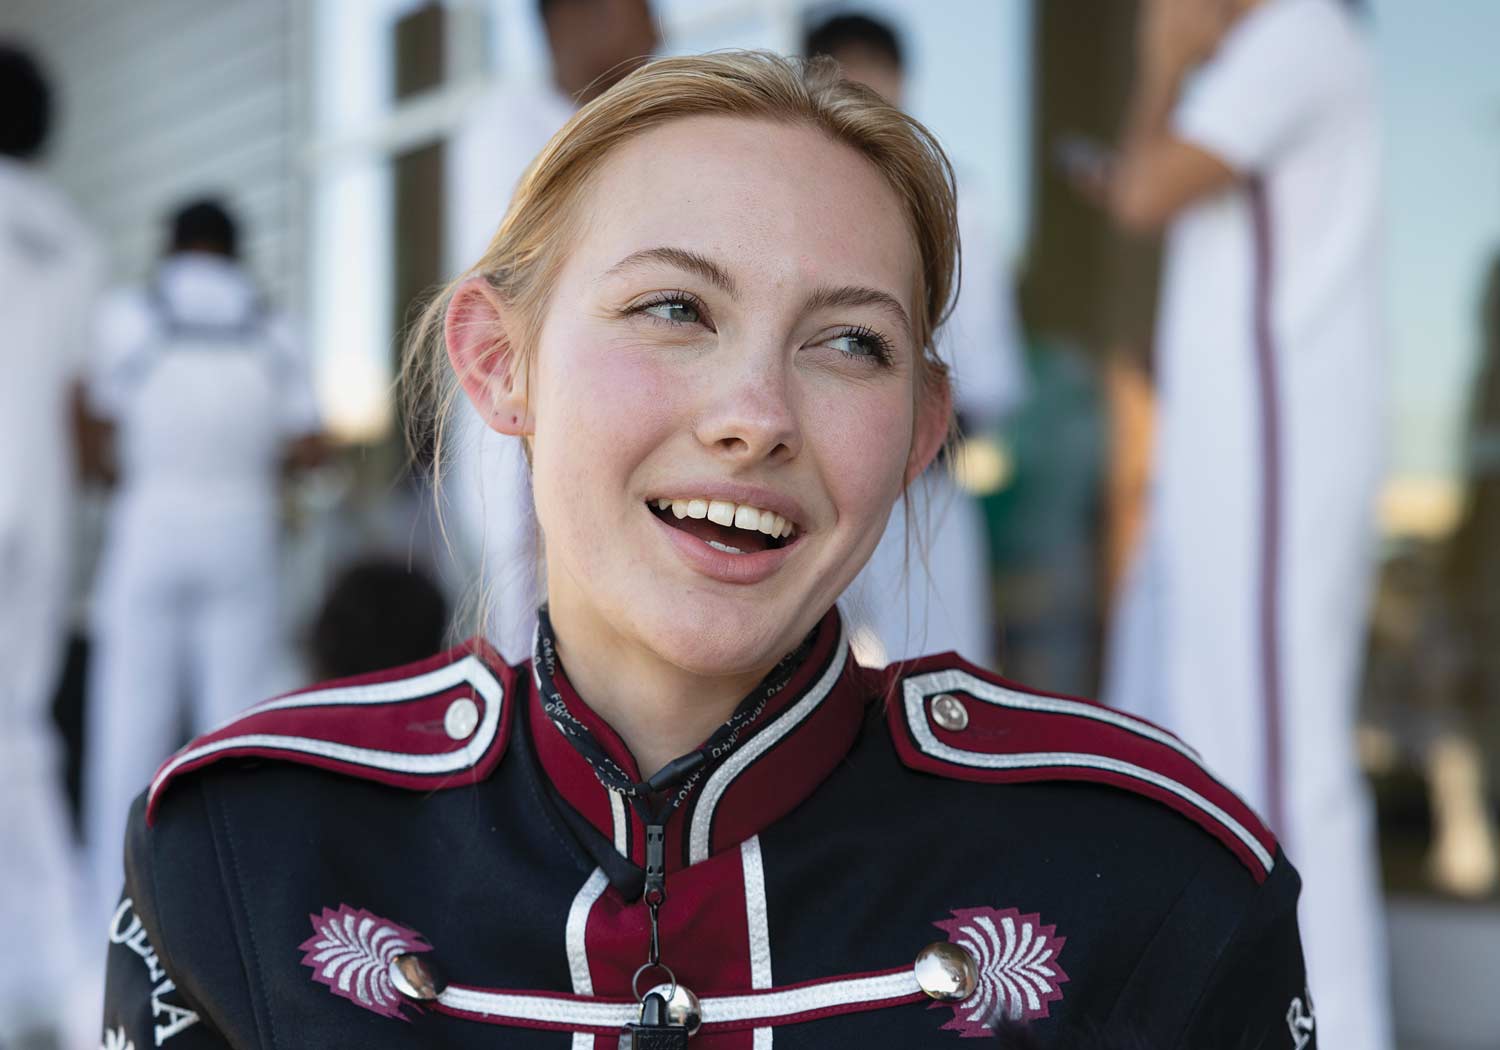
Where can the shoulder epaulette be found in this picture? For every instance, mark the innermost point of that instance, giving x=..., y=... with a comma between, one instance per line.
x=439, y=723
x=950, y=718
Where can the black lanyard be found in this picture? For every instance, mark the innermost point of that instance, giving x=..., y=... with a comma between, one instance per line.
x=656, y=798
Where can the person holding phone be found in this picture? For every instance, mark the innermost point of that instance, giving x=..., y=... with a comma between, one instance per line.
x=1252, y=142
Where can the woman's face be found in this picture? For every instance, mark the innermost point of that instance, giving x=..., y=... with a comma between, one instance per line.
x=731, y=335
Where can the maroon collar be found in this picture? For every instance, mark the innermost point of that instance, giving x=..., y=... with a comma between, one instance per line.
x=790, y=748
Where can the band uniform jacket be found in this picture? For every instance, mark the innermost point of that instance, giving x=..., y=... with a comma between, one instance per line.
x=849, y=828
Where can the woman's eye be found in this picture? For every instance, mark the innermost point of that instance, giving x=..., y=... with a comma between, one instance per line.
x=861, y=344
x=677, y=311
x=853, y=345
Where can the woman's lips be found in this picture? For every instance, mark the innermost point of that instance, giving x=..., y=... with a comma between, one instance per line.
x=748, y=568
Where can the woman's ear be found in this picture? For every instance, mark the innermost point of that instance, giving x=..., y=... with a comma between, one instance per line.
x=478, y=338
x=934, y=416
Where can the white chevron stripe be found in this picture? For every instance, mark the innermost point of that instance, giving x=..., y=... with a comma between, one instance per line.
x=919, y=687
x=620, y=822
x=740, y=759
x=470, y=670
x=952, y=679
x=578, y=957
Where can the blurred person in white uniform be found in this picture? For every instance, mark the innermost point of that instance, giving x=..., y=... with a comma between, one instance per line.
x=928, y=586
x=49, y=274
x=593, y=44
x=1253, y=141
x=209, y=394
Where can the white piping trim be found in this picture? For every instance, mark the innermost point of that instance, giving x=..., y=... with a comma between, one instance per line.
x=758, y=922
x=469, y=670
x=768, y=1006
x=578, y=957
x=953, y=678
x=570, y=1013
x=916, y=717
x=424, y=684
x=620, y=822
x=578, y=920
x=536, y=641
x=757, y=745
x=756, y=914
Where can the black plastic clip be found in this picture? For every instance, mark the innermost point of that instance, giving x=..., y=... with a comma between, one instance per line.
x=655, y=1031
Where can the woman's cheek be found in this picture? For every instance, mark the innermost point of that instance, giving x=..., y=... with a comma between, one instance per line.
x=862, y=461
x=605, y=396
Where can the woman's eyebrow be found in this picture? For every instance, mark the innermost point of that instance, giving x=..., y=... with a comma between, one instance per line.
x=857, y=296
x=703, y=266
x=683, y=259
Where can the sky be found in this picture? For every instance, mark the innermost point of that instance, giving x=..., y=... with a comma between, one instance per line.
x=1440, y=87
x=1440, y=97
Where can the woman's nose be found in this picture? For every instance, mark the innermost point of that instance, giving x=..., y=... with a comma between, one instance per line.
x=751, y=415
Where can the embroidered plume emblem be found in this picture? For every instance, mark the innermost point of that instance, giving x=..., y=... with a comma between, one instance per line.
x=116, y=1039
x=351, y=951
x=1019, y=977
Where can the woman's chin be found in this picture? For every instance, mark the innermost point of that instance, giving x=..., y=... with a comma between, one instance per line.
x=715, y=643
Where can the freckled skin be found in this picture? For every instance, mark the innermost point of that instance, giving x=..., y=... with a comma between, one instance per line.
x=628, y=407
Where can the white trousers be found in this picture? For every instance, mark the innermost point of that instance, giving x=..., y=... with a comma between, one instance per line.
x=904, y=604
x=1186, y=652
x=185, y=635
x=39, y=872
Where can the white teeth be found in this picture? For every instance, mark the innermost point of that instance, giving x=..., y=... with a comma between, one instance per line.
x=721, y=512
x=726, y=548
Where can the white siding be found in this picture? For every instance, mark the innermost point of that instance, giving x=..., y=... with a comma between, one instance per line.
x=162, y=100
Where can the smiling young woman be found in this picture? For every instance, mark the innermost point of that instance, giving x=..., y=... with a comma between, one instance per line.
x=709, y=313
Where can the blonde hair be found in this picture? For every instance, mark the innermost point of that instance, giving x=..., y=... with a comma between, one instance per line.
x=524, y=257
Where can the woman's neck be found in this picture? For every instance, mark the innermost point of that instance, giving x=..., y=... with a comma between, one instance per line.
x=659, y=710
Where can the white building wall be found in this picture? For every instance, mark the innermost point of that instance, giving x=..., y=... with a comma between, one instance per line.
x=284, y=108
x=163, y=100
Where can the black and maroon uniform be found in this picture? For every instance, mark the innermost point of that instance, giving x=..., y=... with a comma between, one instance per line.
x=483, y=818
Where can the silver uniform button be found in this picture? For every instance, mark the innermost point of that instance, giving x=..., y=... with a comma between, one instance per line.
x=462, y=719
x=415, y=978
x=682, y=1006
x=946, y=972
x=949, y=712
